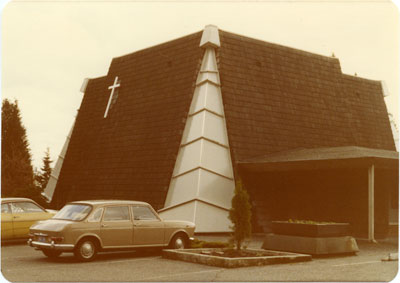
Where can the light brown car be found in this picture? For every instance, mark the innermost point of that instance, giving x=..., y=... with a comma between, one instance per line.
x=86, y=227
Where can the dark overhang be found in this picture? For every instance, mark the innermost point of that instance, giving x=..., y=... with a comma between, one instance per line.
x=323, y=158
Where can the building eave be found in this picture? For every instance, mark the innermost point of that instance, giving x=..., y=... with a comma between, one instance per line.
x=323, y=158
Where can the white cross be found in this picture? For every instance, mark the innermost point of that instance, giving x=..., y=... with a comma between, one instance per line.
x=112, y=87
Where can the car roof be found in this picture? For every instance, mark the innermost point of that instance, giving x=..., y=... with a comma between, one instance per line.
x=113, y=201
x=15, y=199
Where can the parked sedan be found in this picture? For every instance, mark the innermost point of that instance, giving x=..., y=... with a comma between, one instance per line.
x=17, y=216
x=86, y=227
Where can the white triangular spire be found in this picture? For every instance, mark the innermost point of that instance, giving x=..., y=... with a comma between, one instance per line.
x=209, y=64
x=202, y=183
x=210, y=37
x=209, y=70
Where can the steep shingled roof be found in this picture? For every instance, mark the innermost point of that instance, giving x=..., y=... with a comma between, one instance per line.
x=276, y=98
x=131, y=153
x=369, y=118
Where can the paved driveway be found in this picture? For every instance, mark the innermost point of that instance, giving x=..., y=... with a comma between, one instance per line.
x=20, y=263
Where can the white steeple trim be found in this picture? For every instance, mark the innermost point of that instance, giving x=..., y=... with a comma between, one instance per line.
x=51, y=184
x=385, y=89
x=84, y=85
x=207, y=96
x=209, y=64
x=202, y=182
x=195, y=210
x=192, y=200
x=208, y=69
x=216, y=133
x=204, y=109
x=206, y=154
x=210, y=37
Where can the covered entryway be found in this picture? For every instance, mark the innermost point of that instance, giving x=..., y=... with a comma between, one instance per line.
x=340, y=184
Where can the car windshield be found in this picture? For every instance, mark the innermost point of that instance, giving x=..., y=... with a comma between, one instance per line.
x=74, y=212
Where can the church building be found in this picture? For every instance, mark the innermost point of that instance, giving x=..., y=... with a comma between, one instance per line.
x=176, y=124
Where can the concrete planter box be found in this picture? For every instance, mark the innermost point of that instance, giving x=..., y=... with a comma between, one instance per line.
x=311, y=245
x=314, y=239
x=261, y=257
x=310, y=230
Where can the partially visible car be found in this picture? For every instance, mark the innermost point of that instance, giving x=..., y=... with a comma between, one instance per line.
x=86, y=227
x=18, y=215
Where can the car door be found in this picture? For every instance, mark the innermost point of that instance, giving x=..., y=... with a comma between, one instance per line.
x=116, y=229
x=24, y=215
x=6, y=222
x=148, y=228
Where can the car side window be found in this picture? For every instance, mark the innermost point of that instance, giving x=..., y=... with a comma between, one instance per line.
x=25, y=207
x=143, y=213
x=116, y=213
x=5, y=208
x=96, y=215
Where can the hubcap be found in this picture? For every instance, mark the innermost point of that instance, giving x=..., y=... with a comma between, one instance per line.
x=87, y=250
x=179, y=243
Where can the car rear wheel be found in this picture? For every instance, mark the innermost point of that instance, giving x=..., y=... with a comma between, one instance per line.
x=86, y=250
x=178, y=242
x=51, y=253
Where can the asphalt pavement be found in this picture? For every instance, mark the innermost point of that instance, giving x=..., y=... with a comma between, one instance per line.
x=20, y=263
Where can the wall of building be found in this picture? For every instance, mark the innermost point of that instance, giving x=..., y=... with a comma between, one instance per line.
x=323, y=195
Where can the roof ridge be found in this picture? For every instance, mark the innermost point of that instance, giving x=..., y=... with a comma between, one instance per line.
x=157, y=45
x=282, y=46
x=348, y=76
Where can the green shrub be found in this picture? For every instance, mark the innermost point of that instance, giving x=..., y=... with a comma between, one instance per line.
x=240, y=215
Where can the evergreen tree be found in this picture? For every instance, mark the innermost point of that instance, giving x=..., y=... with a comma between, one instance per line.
x=44, y=176
x=240, y=215
x=17, y=178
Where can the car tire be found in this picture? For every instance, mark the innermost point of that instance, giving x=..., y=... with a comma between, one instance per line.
x=51, y=253
x=86, y=250
x=178, y=242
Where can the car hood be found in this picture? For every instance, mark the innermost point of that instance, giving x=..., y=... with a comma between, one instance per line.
x=54, y=225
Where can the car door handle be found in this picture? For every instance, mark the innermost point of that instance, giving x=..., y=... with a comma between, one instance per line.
x=15, y=216
x=103, y=225
x=136, y=224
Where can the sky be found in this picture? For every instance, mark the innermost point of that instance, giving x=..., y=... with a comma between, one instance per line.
x=49, y=47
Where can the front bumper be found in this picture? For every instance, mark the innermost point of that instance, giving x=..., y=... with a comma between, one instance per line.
x=50, y=246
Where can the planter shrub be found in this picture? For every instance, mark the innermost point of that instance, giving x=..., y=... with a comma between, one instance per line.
x=240, y=215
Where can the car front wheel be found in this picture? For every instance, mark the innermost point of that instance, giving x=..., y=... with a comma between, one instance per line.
x=86, y=250
x=51, y=253
x=178, y=242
